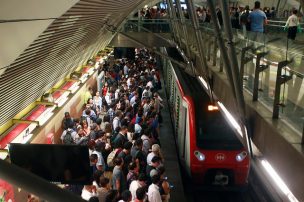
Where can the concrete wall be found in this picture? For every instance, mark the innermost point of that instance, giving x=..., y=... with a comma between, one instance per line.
x=74, y=105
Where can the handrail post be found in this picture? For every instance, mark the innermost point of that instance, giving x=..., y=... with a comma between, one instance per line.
x=258, y=69
x=244, y=60
x=281, y=79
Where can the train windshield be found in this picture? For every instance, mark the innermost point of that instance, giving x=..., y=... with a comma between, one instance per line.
x=213, y=132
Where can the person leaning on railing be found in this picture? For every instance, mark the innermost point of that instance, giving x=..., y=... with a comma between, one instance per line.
x=293, y=25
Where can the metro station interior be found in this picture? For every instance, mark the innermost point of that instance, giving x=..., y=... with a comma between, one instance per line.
x=53, y=51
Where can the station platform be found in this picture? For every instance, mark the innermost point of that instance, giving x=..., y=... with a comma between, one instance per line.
x=173, y=171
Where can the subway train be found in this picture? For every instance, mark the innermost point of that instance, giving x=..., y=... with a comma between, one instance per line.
x=208, y=147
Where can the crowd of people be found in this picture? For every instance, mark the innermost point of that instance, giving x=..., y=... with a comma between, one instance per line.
x=120, y=125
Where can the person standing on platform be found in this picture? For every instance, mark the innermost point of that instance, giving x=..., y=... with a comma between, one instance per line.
x=153, y=191
x=244, y=21
x=293, y=25
x=87, y=95
x=257, y=19
x=119, y=181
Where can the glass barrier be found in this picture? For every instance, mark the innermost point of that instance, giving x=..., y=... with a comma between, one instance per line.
x=277, y=48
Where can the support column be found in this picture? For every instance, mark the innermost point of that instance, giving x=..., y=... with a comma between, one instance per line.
x=281, y=79
x=232, y=69
x=183, y=25
x=244, y=60
x=203, y=70
x=258, y=69
x=173, y=19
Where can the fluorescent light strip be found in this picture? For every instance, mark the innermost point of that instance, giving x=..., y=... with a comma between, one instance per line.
x=46, y=115
x=84, y=77
x=278, y=180
x=91, y=71
x=74, y=87
x=203, y=82
x=231, y=119
x=22, y=138
x=62, y=99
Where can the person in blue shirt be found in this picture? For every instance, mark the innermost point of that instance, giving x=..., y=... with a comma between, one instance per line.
x=257, y=19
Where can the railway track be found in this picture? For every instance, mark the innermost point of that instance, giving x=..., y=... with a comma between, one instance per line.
x=255, y=192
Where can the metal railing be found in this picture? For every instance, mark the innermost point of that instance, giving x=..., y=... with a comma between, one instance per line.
x=272, y=69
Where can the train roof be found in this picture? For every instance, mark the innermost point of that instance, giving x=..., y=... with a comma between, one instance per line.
x=189, y=84
x=213, y=130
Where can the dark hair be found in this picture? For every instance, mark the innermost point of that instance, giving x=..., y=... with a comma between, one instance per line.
x=128, y=145
x=98, y=121
x=76, y=120
x=295, y=11
x=142, y=177
x=93, y=157
x=123, y=127
x=155, y=179
x=87, y=111
x=126, y=195
x=141, y=193
x=106, y=118
x=111, y=196
x=100, y=146
x=138, y=142
x=94, y=199
x=132, y=166
x=257, y=4
x=103, y=181
x=118, y=144
x=155, y=159
x=96, y=176
x=118, y=161
x=161, y=170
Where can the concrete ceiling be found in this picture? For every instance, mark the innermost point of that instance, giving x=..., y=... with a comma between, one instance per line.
x=55, y=38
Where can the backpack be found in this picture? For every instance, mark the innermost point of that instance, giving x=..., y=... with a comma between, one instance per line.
x=84, y=141
x=68, y=139
x=112, y=156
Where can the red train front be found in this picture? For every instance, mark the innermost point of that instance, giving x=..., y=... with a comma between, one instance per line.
x=208, y=146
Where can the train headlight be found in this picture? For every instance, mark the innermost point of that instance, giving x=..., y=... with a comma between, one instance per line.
x=241, y=156
x=200, y=156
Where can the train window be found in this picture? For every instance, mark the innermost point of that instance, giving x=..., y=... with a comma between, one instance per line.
x=213, y=132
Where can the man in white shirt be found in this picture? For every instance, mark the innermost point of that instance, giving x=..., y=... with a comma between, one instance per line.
x=116, y=120
x=153, y=191
x=147, y=93
x=108, y=98
x=126, y=69
x=98, y=151
x=135, y=184
x=133, y=99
